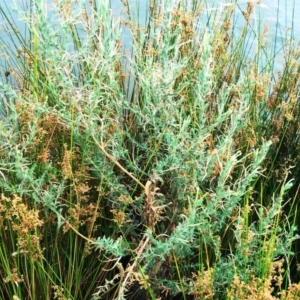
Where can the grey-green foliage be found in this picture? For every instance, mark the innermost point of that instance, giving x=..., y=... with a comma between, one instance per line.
x=110, y=246
x=208, y=216
x=257, y=244
x=177, y=124
x=186, y=152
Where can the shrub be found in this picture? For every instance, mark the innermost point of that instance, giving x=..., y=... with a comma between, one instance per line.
x=172, y=154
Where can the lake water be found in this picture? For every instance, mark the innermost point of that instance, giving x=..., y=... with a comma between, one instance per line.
x=277, y=14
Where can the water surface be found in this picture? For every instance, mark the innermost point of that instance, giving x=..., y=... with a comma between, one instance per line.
x=276, y=15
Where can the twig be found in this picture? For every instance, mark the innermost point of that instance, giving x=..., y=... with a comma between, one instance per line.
x=116, y=162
